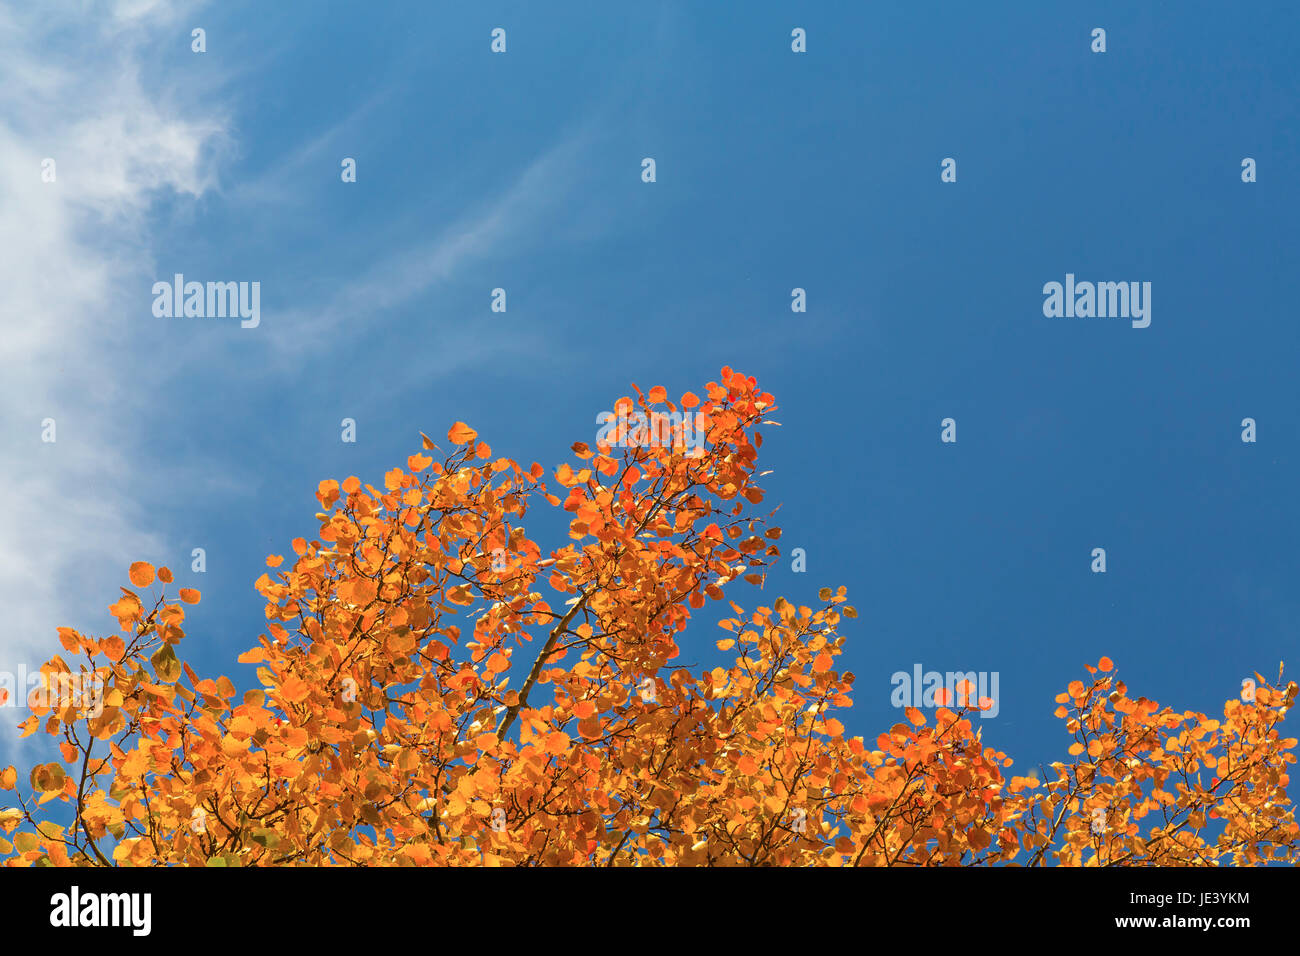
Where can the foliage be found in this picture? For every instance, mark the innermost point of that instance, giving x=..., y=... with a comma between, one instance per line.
x=386, y=730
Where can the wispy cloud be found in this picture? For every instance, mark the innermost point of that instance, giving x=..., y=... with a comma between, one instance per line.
x=281, y=182
x=71, y=90
x=513, y=221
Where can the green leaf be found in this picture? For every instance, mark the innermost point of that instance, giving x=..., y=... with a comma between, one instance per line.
x=46, y=777
x=165, y=664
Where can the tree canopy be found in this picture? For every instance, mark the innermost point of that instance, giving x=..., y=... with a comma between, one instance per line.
x=437, y=690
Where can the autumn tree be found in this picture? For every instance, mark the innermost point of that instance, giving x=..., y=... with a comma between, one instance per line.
x=436, y=690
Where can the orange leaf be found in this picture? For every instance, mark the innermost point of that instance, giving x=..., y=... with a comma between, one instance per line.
x=823, y=663
x=295, y=690
x=461, y=434
x=189, y=595
x=141, y=574
x=1105, y=664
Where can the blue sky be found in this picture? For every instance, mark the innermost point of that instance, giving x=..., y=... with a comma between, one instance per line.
x=775, y=170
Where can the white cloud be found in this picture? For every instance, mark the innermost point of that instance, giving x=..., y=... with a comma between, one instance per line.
x=71, y=89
